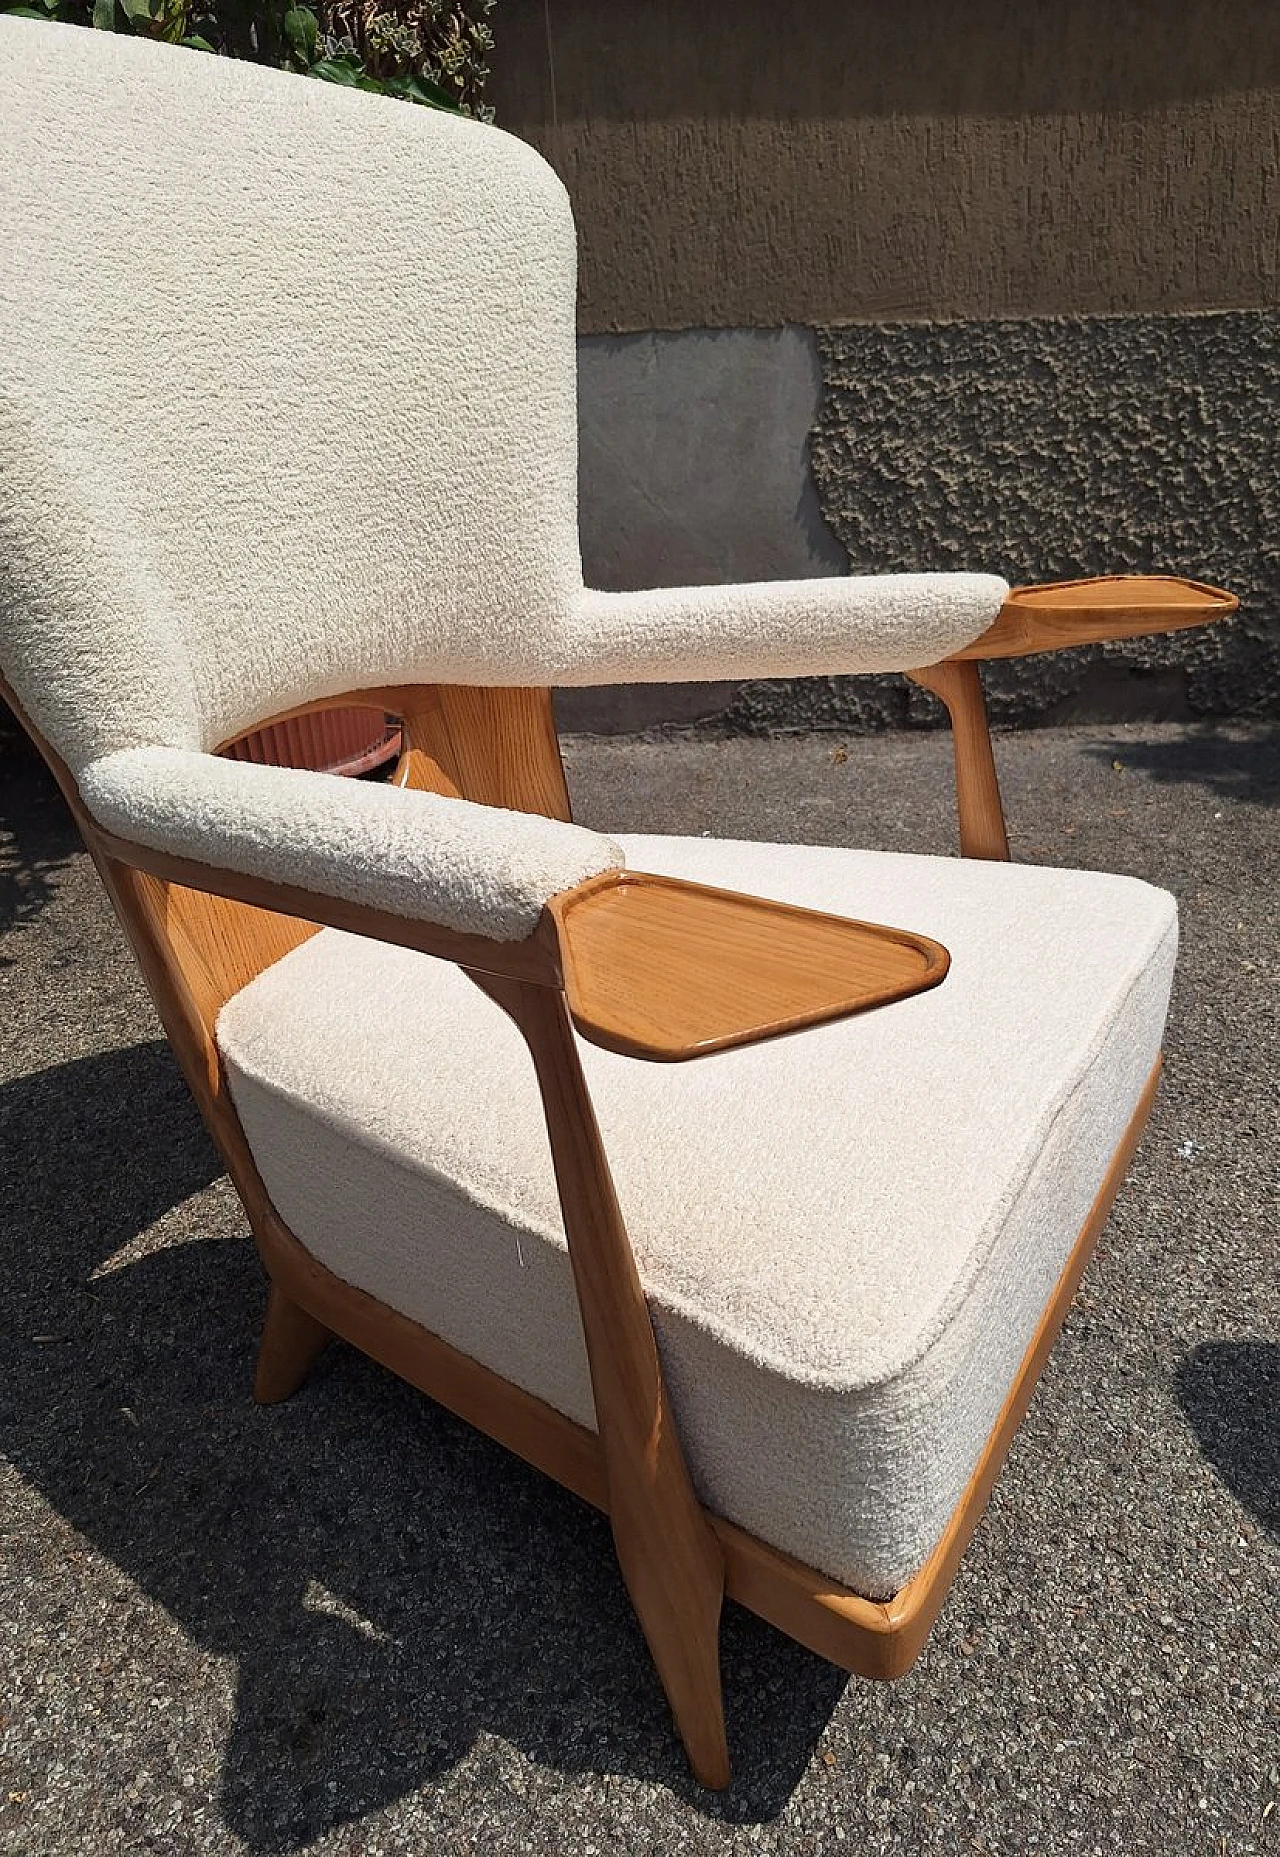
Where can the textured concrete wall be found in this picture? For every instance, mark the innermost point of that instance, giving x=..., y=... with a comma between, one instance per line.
x=1038, y=449
x=694, y=458
x=1005, y=223
x=1049, y=449
x=742, y=164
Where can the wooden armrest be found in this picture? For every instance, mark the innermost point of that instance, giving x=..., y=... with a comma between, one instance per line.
x=662, y=969
x=651, y=966
x=1081, y=612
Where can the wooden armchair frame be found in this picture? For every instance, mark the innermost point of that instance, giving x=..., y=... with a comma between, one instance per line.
x=201, y=934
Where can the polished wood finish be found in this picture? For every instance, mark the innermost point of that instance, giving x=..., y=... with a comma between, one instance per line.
x=497, y=747
x=223, y=944
x=1049, y=617
x=667, y=1550
x=661, y=969
x=1083, y=612
x=292, y=1341
x=980, y=810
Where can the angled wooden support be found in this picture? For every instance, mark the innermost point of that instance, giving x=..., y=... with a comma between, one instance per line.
x=978, y=803
x=1048, y=618
x=670, y=1557
x=291, y=1343
x=497, y=747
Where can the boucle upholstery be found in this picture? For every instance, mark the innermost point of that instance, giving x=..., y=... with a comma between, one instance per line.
x=477, y=869
x=289, y=410
x=785, y=628
x=847, y=1236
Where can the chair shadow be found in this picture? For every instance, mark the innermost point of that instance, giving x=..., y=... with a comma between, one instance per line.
x=1236, y=767
x=37, y=837
x=1230, y=1392
x=389, y=1582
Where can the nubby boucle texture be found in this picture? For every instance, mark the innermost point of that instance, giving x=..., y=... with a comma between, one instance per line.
x=846, y=1237
x=477, y=869
x=293, y=413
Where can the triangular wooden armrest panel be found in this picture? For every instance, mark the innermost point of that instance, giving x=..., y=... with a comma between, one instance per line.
x=661, y=969
x=1082, y=612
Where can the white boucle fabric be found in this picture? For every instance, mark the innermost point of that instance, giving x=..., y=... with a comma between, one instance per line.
x=785, y=628
x=288, y=410
x=847, y=1237
x=477, y=869
x=303, y=355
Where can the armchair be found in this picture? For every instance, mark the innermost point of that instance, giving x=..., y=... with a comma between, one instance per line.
x=665, y=1162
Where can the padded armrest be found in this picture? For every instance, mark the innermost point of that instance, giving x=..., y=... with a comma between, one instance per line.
x=787, y=628
x=475, y=870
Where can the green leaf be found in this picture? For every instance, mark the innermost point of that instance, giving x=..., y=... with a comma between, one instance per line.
x=104, y=15
x=417, y=89
x=336, y=71
x=302, y=30
x=196, y=43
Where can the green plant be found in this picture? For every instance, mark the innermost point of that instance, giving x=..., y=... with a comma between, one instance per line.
x=433, y=52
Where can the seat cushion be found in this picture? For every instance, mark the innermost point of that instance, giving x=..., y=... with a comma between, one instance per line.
x=847, y=1236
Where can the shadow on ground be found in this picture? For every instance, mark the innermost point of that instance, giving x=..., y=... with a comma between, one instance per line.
x=389, y=1583
x=1230, y=1391
x=37, y=838
x=1237, y=767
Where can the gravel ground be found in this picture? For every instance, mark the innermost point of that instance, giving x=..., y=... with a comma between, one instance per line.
x=349, y=1625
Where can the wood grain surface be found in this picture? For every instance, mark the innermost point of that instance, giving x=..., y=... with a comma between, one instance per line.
x=1083, y=612
x=662, y=969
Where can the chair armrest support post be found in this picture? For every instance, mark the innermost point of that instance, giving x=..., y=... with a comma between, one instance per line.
x=670, y=1557
x=983, y=833
x=1048, y=618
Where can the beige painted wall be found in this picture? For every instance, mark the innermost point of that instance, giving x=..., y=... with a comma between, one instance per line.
x=747, y=163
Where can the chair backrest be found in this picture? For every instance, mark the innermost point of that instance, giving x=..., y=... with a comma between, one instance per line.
x=287, y=394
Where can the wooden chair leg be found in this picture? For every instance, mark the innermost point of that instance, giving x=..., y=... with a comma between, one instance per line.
x=291, y=1342
x=670, y=1557
x=674, y=1574
x=978, y=803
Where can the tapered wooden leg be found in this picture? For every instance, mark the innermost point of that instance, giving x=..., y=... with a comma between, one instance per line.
x=670, y=1557
x=291, y=1342
x=978, y=803
x=674, y=1573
